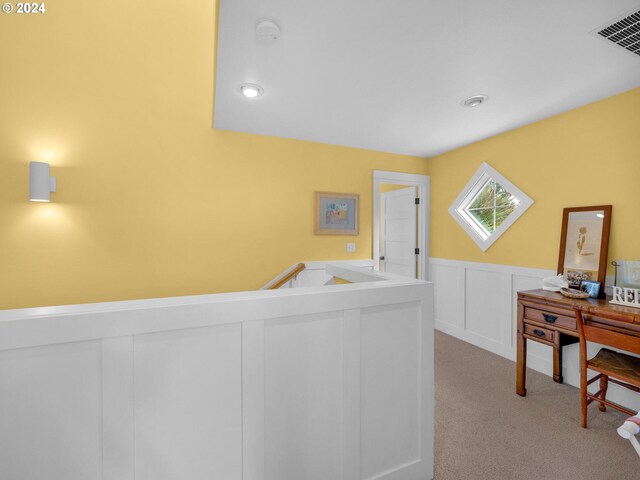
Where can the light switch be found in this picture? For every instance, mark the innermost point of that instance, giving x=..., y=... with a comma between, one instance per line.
x=351, y=247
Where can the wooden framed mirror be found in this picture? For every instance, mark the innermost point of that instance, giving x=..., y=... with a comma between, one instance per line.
x=584, y=244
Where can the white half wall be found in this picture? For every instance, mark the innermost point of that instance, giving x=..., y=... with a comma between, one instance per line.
x=333, y=382
x=477, y=303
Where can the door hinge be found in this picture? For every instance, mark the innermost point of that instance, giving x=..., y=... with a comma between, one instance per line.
x=417, y=201
x=417, y=251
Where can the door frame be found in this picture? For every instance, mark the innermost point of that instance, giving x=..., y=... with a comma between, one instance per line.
x=422, y=182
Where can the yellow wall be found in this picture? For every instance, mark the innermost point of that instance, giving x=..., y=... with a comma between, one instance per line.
x=588, y=156
x=118, y=97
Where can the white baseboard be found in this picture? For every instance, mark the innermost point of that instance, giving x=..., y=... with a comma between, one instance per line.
x=478, y=341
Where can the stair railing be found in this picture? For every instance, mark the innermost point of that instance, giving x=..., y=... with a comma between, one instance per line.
x=287, y=277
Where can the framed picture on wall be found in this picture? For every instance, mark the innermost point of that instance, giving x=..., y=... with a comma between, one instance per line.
x=583, y=245
x=336, y=213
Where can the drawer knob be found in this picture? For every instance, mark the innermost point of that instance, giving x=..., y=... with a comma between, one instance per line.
x=549, y=318
x=539, y=333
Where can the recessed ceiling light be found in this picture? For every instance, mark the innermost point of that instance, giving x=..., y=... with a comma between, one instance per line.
x=474, y=101
x=251, y=90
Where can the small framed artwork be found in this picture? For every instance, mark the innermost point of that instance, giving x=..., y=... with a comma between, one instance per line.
x=336, y=213
x=592, y=288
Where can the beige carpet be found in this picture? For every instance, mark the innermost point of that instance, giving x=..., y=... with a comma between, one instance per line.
x=485, y=431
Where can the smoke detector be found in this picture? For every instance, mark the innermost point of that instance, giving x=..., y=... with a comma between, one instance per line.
x=267, y=32
x=623, y=32
x=474, y=101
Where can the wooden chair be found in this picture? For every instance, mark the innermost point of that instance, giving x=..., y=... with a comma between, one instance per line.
x=612, y=366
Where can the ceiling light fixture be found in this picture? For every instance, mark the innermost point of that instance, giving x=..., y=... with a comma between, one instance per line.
x=474, y=101
x=251, y=90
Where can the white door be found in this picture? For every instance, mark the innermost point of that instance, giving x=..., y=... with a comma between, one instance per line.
x=398, y=232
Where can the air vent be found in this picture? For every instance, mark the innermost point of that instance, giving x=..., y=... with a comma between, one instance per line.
x=623, y=32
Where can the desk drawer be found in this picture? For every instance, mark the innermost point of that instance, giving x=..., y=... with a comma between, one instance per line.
x=550, y=318
x=536, y=332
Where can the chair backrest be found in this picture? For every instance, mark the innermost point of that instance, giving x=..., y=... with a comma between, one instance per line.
x=590, y=330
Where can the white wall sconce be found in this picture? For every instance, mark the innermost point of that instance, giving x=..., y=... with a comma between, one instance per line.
x=41, y=183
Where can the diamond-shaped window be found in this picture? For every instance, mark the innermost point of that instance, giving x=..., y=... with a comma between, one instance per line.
x=488, y=205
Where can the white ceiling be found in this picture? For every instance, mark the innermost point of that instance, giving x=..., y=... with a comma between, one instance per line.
x=389, y=75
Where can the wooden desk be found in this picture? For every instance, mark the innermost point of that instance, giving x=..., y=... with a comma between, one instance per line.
x=549, y=318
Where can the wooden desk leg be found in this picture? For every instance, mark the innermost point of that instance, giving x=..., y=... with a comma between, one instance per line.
x=557, y=363
x=521, y=364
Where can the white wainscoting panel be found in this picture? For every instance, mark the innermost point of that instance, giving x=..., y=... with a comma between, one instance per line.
x=447, y=279
x=484, y=305
x=352, y=394
x=487, y=317
x=62, y=434
x=253, y=424
x=478, y=302
x=303, y=399
x=188, y=398
x=118, y=409
x=332, y=382
x=391, y=342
